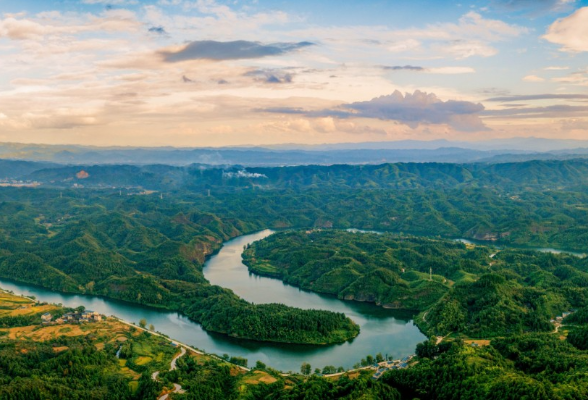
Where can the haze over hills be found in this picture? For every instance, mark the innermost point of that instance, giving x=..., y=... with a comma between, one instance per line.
x=517, y=176
x=491, y=151
x=519, y=144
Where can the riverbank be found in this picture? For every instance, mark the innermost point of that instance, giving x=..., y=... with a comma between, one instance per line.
x=132, y=331
x=381, y=330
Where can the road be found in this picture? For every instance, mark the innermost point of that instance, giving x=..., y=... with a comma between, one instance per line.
x=173, y=362
x=173, y=366
x=183, y=347
x=179, y=344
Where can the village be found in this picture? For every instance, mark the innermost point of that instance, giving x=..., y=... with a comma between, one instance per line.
x=385, y=366
x=75, y=317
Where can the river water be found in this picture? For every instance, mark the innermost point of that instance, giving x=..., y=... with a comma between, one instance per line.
x=385, y=331
x=540, y=249
x=491, y=244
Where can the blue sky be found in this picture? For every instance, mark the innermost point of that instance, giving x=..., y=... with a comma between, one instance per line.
x=215, y=73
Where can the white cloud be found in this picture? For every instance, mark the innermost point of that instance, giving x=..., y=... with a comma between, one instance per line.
x=471, y=35
x=577, y=78
x=404, y=45
x=451, y=70
x=554, y=68
x=112, y=2
x=55, y=24
x=461, y=49
x=21, y=29
x=533, y=78
x=474, y=25
x=570, y=32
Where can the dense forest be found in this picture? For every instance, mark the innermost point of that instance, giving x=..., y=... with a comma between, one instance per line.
x=112, y=236
x=478, y=291
x=384, y=269
x=535, y=174
x=150, y=254
x=529, y=218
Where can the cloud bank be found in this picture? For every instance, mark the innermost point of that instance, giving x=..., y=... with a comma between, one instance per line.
x=235, y=50
x=421, y=108
x=438, y=70
x=409, y=109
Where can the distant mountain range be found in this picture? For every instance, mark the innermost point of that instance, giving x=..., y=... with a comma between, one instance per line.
x=199, y=178
x=518, y=144
x=492, y=151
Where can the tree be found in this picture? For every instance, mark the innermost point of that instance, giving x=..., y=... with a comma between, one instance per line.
x=260, y=365
x=379, y=357
x=329, y=369
x=238, y=361
x=305, y=368
x=369, y=359
x=143, y=323
x=427, y=349
x=151, y=327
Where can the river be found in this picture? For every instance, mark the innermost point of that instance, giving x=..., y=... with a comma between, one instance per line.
x=490, y=244
x=382, y=330
x=514, y=247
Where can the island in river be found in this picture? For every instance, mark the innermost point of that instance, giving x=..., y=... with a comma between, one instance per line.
x=458, y=288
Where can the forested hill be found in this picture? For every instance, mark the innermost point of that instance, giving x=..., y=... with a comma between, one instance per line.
x=144, y=250
x=544, y=174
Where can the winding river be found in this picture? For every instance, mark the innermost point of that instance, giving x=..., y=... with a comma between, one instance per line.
x=503, y=246
x=382, y=330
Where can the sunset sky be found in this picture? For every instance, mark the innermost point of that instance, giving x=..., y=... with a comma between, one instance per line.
x=218, y=73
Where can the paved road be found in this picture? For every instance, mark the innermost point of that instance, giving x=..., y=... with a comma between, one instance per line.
x=173, y=366
x=173, y=362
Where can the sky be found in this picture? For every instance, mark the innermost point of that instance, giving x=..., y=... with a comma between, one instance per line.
x=261, y=72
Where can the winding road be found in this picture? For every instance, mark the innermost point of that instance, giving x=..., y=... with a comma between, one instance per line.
x=173, y=366
x=173, y=362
